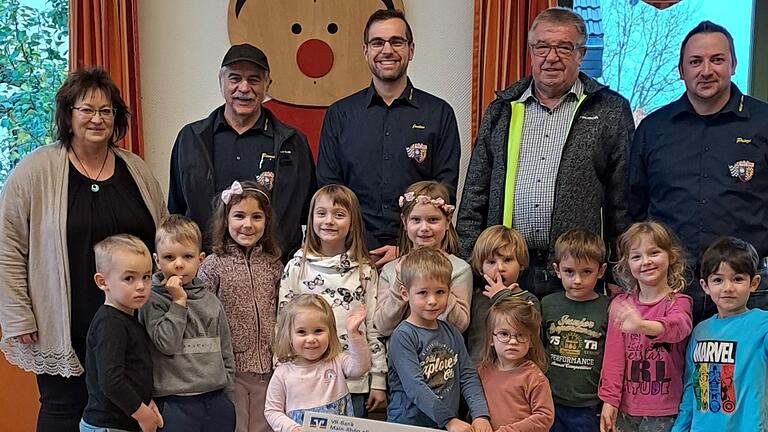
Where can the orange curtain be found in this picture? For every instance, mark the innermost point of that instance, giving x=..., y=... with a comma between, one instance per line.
x=499, y=55
x=106, y=33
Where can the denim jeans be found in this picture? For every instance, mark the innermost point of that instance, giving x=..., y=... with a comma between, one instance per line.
x=571, y=419
x=85, y=427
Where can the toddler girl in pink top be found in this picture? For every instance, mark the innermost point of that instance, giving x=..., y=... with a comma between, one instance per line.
x=642, y=377
x=313, y=371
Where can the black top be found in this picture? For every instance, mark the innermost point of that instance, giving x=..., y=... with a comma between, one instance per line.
x=242, y=156
x=703, y=176
x=91, y=217
x=119, y=363
x=192, y=191
x=378, y=151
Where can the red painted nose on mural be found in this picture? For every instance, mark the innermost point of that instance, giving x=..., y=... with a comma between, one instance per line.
x=315, y=58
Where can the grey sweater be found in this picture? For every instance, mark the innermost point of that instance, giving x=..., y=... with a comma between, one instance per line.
x=192, y=350
x=591, y=182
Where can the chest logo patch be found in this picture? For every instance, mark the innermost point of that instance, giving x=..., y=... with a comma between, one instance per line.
x=742, y=170
x=417, y=152
x=266, y=179
x=740, y=140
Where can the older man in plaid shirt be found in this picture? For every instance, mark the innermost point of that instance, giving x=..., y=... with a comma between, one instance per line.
x=550, y=154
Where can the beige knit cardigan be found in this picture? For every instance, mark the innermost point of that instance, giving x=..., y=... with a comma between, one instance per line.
x=34, y=268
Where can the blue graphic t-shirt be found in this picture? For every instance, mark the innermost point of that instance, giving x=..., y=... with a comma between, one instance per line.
x=429, y=372
x=726, y=375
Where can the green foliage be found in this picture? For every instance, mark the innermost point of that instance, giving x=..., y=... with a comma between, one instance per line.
x=33, y=64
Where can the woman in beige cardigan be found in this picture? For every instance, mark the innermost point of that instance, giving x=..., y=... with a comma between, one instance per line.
x=56, y=204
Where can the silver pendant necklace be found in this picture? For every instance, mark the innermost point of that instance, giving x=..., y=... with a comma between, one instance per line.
x=94, y=186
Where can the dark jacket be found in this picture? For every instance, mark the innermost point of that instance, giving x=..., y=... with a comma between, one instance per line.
x=590, y=191
x=192, y=188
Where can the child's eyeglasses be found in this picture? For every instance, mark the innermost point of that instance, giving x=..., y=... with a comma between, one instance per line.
x=505, y=337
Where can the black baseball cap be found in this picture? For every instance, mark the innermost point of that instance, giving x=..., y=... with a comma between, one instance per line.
x=246, y=52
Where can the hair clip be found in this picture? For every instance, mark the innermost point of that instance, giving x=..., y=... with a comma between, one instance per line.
x=237, y=189
x=424, y=199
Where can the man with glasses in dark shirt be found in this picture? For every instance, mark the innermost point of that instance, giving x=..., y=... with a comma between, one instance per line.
x=700, y=164
x=550, y=153
x=382, y=139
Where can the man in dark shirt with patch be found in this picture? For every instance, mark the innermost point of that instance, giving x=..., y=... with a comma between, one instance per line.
x=382, y=139
x=699, y=164
x=242, y=140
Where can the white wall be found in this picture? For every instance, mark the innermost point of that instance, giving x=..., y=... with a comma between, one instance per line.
x=182, y=42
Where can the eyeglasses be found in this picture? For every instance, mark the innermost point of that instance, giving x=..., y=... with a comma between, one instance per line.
x=562, y=50
x=395, y=42
x=505, y=337
x=105, y=113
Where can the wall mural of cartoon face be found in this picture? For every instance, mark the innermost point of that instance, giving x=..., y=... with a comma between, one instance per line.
x=314, y=46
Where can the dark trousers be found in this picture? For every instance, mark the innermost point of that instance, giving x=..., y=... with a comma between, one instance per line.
x=539, y=278
x=207, y=412
x=358, y=404
x=62, y=400
x=570, y=419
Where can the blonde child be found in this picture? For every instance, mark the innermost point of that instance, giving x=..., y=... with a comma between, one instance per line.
x=244, y=271
x=498, y=258
x=334, y=264
x=429, y=368
x=425, y=222
x=512, y=368
x=194, y=368
x=641, y=380
x=313, y=371
x=119, y=378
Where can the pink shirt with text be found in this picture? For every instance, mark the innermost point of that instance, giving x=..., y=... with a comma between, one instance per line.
x=641, y=375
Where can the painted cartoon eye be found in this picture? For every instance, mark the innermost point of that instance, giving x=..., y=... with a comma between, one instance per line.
x=296, y=28
x=333, y=28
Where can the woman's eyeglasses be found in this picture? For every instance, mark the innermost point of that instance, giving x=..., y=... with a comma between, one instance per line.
x=105, y=113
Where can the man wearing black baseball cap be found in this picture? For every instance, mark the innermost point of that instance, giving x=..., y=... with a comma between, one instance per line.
x=242, y=140
x=246, y=52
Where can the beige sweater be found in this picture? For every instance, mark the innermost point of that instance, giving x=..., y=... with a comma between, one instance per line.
x=34, y=268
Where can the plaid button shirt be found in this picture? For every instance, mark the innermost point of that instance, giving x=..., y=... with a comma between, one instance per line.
x=541, y=146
